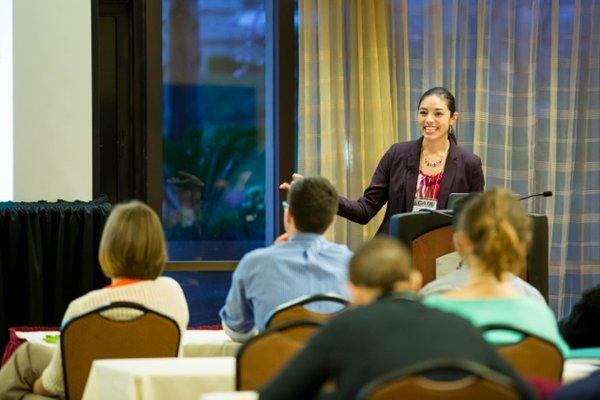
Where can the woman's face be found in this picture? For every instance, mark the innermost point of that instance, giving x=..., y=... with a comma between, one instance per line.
x=435, y=118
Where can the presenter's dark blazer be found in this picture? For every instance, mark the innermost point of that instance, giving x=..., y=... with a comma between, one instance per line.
x=395, y=182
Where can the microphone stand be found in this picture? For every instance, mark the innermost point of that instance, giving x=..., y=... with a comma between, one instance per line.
x=547, y=193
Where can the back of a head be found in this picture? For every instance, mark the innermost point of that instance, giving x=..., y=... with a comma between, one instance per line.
x=313, y=202
x=133, y=243
x=380, y=264
x=499, y=229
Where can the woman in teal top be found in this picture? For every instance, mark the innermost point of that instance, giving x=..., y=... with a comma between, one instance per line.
x=492, y=234
x=520, y=312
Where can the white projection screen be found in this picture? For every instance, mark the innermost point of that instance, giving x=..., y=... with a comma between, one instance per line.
x=6, y=101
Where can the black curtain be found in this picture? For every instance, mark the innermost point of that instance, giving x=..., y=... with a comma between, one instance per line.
x=48, y=257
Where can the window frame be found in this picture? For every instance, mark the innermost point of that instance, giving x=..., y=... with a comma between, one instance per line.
x=279, y=119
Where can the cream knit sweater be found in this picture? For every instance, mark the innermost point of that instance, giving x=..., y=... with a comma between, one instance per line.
x=163, y=295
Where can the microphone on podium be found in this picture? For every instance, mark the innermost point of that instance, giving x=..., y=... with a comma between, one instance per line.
x=547, y=193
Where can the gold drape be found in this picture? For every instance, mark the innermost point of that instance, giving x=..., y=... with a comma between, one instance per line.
x=348, y=113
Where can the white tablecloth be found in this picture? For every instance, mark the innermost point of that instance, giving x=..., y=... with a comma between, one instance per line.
x=159, y=378
x=215, y=343
x=195, y=343
x=37, y=336
x=200, y=343
x=576, y=369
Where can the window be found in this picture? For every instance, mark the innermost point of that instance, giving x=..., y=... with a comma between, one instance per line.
x=214, y=158
x=228, y=135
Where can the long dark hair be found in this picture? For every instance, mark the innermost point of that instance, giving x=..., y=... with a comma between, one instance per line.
x=448, y=98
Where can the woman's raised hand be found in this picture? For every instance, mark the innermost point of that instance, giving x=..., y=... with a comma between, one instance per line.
x=286, y=185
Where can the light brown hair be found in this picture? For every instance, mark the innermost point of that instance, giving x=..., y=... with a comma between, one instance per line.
x=380, y=263
x=313, y=202
x=133, y=243
x=499, y=230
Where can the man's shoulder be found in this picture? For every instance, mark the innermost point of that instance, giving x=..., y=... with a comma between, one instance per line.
x=262, y=252
x=288, y=247
x=267, y=256
x=286, y=252
x=337, y=248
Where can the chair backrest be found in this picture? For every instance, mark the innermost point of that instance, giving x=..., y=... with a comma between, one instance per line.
x=470, y=381
x=532, y=355
x=295, y=310
x=92, y=336
x=263, y=356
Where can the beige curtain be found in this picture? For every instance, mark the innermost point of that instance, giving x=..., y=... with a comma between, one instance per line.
x=348, y=109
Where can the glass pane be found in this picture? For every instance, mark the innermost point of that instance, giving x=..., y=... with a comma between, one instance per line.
x=205, y=293
x=213, y=128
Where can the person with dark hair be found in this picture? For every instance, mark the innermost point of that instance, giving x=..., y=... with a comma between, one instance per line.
x=581, y=328
x=388, y=330
x=304, y=264
x=418, y=174
x=492, y=235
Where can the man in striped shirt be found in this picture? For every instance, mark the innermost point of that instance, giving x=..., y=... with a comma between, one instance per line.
x=301, y=262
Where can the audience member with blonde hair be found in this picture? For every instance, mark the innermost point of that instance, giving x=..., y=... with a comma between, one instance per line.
x=132, y=254
x=492, y=235
x=389, y=330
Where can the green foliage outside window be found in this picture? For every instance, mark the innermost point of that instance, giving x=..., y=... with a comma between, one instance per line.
x=214, y=185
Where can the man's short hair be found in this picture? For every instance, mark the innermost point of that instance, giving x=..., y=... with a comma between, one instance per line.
x=313, y=202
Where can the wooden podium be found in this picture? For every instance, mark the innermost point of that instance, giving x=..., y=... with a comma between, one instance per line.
x=428, y=235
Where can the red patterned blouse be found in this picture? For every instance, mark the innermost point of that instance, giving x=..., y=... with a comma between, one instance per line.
x=428, y=186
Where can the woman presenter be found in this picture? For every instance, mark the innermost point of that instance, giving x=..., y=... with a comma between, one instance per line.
x=418, y=174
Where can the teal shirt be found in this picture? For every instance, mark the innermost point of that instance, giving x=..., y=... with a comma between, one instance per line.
x=520, y=312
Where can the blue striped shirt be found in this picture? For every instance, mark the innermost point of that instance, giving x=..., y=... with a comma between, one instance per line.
x=265, y=278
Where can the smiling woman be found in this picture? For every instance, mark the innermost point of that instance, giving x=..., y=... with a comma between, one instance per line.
x=422, y=173
x=6, y=103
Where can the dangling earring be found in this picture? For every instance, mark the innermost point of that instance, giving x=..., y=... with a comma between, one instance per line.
x=451, y=134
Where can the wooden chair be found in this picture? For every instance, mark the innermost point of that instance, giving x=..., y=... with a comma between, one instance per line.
x=468, y=380
x=263, y=356
x=93, y=335
x=532, y=355
x=296, y=310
